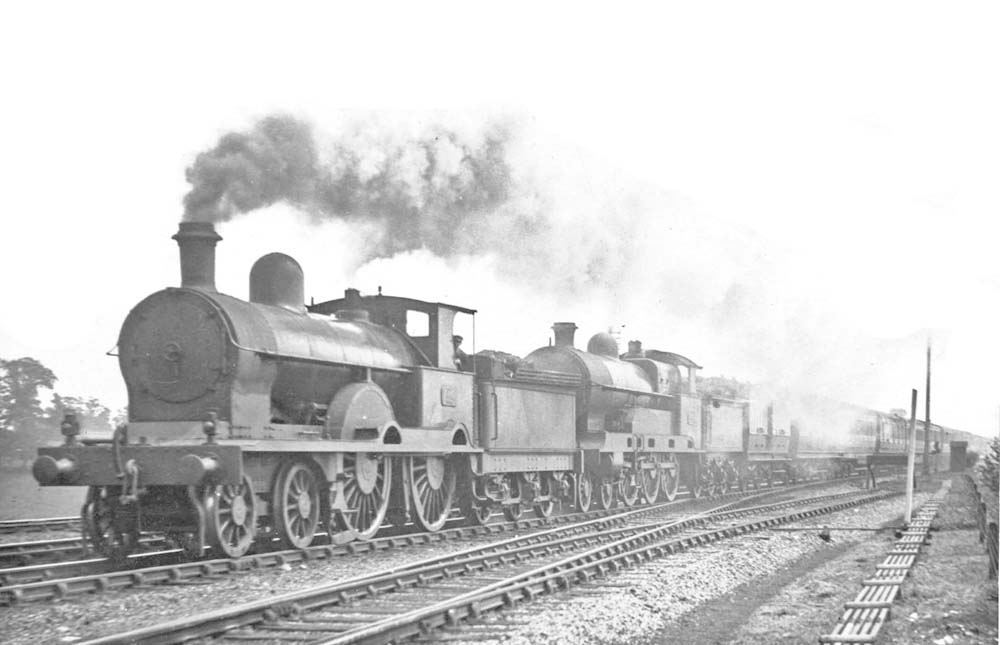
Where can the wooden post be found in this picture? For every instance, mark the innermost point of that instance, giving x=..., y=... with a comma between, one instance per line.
x=927, y=413
x=911, y=456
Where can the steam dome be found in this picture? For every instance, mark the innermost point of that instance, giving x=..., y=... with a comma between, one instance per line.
x=276, y=279
x=603, y=344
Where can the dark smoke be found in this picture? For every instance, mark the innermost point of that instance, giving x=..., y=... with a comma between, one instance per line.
x=275, y=161
x=429, y=191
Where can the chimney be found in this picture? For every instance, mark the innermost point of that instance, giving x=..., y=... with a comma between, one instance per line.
x=353, y=307
x=352, y=298
x=197, y=246
x=564, y=332
x=635, y=348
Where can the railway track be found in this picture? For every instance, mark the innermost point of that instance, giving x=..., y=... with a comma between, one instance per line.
x=40, y=581
x=39, y=524
x=445, y=590
x=59, y=550
x=40, y=571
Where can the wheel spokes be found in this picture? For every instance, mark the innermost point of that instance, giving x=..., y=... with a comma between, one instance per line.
x=297, y=504
x=364, y=512
x=432, y=504
x=231, y=532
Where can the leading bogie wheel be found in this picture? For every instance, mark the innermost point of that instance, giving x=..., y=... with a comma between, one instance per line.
x=296, y=504
x=231, y=517
x=363, y=494
x=108, y=530
x=431, y=482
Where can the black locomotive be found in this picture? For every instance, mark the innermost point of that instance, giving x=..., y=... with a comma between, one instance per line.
x=268, y=419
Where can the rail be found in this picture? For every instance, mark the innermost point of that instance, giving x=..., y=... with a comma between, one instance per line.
x=392, y=606
x=39, y=524
x=61, y=580
x=987, y=529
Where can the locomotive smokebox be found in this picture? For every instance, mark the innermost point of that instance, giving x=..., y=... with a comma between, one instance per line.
x=276, y=280
x=197, y=246
x=564, y=332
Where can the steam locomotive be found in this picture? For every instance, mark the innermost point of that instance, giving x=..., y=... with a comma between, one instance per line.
x=268, y=420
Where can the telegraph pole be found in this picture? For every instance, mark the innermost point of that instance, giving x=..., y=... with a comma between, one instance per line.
x=911, y=456
x=927, y=413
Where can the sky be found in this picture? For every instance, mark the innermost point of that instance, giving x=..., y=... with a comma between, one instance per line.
x=798, y=194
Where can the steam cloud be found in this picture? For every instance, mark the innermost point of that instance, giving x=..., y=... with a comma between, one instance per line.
x=425, y=191
x=567, y=243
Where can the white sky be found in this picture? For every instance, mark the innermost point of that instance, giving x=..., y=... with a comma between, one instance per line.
x=840, y=162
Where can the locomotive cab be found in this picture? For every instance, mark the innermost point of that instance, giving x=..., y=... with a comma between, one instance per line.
x=430, y=326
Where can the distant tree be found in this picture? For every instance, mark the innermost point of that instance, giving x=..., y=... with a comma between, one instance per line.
x=91, y=413
x=990, y=468
x=119, y=417
x=20, y=380
x=723, y=386
x=21, y=414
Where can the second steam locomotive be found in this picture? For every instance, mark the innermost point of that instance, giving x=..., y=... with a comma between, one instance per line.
x=270, y=420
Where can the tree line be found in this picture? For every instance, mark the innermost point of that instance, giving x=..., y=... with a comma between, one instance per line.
x=25, y=423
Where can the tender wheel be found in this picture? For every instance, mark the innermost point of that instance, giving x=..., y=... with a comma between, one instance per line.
x=584, y=492
x=628, y=487
x=513, y=512
x=296, y=504
x=696, y=482
x=106, y=529
x=670, y=479
x=364, y=494
x=231, y=517
x=543, y=484
x=649, y=479
x=431, y=481
x=718, y=485
x=473, y=501
x=732, y=476
x=605, y=493
x=480, y=514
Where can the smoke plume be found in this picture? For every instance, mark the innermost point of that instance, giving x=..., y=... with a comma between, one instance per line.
x=425, y=191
